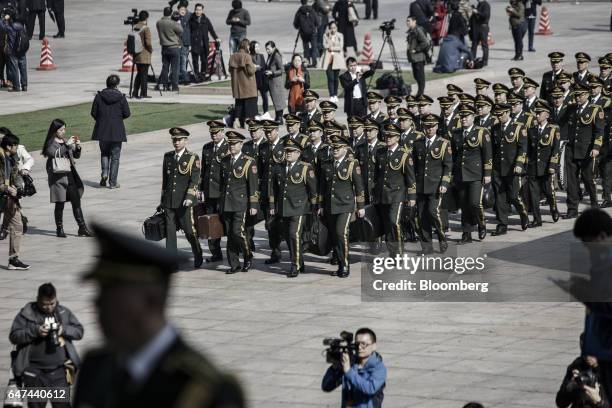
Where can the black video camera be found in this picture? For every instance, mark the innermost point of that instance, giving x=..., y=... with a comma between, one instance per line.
x=387, y=26
x=336, y=346
x=9, y=10
x=586, y=377
x=175, y=16
x=133, y=19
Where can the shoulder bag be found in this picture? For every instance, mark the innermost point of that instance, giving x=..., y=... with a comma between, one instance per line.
x=60, y=164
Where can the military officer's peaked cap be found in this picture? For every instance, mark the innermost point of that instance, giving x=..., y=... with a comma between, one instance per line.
x=530, y=82
x=392, y=130
x=453, y=89
x=595, y=81
x=557, y=92
x=541, y=106
x=291, y=144
x=392, y=101
x=608, y=56
x=514, y=98
x=310, y=95
x=483, y=100
x=410, y=100
x=556, y=56
x=314, y=125
x=338, y=141
x=481, y=83
x=466, y=98
x=500, y=108
x=446, y=101
x=516, y=72
x=430, y=120
x=424, y=100
x=234, y=137
x=254, y=124
x=579, y=88
x=582, y=57
x=125, y=258
x=374, y=96
x=269, y=124
x=178, y=133
x=604, y=62
x=355, y=121
x=333, y=128
x=371, y=124
x=215, y=125
x=500, y=88
x=404, y=113
x=466, y=110
x=327, y=106
x=291, y=119
x=564, y=77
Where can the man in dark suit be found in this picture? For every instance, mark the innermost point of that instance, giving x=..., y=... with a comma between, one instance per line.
x=145, y=361
x=549, y=77
x=558, y=111
x=36, y=8
x=353, y=82
x=582, y=64
x=253, y=148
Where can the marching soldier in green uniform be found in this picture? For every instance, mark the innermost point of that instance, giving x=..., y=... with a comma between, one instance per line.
x=605, y=154
x=366, y=156
x=240, y=187
x=342, y=194
x=586, y=123
x=453, y=92
x=605, y=73
x=253, y=149
x=424, y=103
x=509, y=159
x=273, y=154
x=472, y=164
x=564, y=81
x=433, y=163
x=395, y=187
x=328, y=110
x=516, y=78
x=467, y=99
x=407, y=138
x=412, y=106
x=356, y=129
x=310, y=112
x=559, y=111
x=500, y=93
x=293, y=195
x=317, y=151
x=542, y=162
x=210, y=182
x=481, y=86
x=550, y=77
x=293, y=128
x=581, y=76
x=483, y=106
x=392, y=102
x=530, y=86
x=449, y=120
x=181, y=173
x=144, y=362
x=374, y=110
x=519, y=114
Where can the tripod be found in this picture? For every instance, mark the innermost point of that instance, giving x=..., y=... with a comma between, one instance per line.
x=387, y=39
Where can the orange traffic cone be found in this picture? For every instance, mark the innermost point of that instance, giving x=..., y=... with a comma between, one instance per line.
x=46, y=57
x=367, y=54
x=490, y=39
x=127, y=61
x=544, y=28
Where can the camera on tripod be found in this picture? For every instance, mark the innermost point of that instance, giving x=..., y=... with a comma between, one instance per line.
x=133, y=19
x=336, y=346
x=387, y=26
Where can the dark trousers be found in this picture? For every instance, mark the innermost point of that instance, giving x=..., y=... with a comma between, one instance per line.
x=4, y=64
x=428, y=206
x=506, y=194
x=481, y=36
x=576, y=169
x=391, y=218
x=58, y=9
x=338, y=226
x=141, y=81
x=537, y=186
x=212, y=207
x=358, y=108
x=275, y=234
x=292, y=231
x=605, y=170
x=518, y=33
x=418, y=71
x=41, y=23
x=237, y=237
x=170, y=67
x=469, y=198
x=333, y=76
x=311, y=52
x=371, y=8
x=34, y=378
x=261, y=215
x=199, y=61
x=72, y=195
x=264, y=100
x=531, y=22
x=18, y=71
x=110, y=152
x=184, y=219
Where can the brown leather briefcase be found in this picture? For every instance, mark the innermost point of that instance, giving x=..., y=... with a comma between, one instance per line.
x=210, y=226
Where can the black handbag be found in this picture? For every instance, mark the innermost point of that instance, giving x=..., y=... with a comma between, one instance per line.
x=154, y=227
x=317, y=237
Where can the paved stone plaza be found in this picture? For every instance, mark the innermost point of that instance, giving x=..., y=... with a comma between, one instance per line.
x=266, y=328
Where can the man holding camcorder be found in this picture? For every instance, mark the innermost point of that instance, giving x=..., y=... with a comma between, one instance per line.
x=359, y=369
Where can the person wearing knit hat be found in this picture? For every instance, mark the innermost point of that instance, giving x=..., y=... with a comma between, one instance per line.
x=581, y=76
x=549, y=77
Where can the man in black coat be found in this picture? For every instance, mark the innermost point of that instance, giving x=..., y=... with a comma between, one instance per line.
x=57, y=8
x=36, y=8
x=355, y=92
x=200, y=26
x=479, y=26
x=423, y=11
x=110, y=108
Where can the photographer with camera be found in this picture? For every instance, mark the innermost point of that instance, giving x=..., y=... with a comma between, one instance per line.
x=170, y=34
x=417, y=45
x=581, y=387
x=43, y=332
x=358, y=367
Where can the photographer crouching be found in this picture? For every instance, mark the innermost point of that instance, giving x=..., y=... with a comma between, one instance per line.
x=43, y=332
x=358, y=367
x=581, y=387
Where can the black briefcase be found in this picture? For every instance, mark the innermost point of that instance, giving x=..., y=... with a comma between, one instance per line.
x=366, y=229
x=488, y=196
x=317, y=237
x=154, y=227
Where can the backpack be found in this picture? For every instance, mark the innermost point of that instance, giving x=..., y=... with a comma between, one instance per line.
x=134, y=42
x=307, y=22
x=393, y=83
x=22, y=43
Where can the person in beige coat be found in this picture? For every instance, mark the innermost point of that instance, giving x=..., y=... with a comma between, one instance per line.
x=143, y=58
x=333, y=60
x=244, y=84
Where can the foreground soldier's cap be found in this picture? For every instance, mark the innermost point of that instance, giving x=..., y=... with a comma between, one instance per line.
x=483, y=100
x=582, y=57
x=528, y=82
x=424, y=100
x=403, y=114
x=446, y=101
x=604, y=62
x=333, y=128
x=430, y=120
x=608, y=56
x=410, y=101
x=556, y=56
x=466, y=110
x=392, y=101
x=392, y=130
x=291, y=144
x=178, y=133
x=500, y=108
x=500, y=88
x=355, y=122
x=579, y=88
x=338, y=141
x=327, y=106
x=314, y=125
x=595, y=81
x=564, y=77
x=234, y=137
x=374, y=97
x=215, y=126
x=481, y=83
x=453, y=89
x=310, y=95
x=557, y=92
x=291, y=119
x=254, y=125
x=371, y=124
x=541, y=106
x=514, y=98
x=269, y=124
x=516, y=72
x=126, y=258
x=466, y=99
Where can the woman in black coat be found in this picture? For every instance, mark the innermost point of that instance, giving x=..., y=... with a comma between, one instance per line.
x=341, y=15
x=260, y=74
x=199, y=27
x=64, y=185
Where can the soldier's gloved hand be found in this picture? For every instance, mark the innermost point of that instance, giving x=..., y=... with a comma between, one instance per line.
x=361, y=213
x=442, y=189
x=159, y=208
x=594, y=153
x=320, y=212
x=201, y=196
x=187, y=203
x=551, y=171
x=272, y=211
x=411, y=203
x=253, y=211
x=518, y=170
x=487, y=179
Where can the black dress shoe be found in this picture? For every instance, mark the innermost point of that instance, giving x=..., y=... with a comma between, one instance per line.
x=214, y=258
x=272, y=260
x=555, y=215
x=534, y=224
x=605, y=204
x=24, y=89
x=427, y=251
x=482, y=232
x=84, y=232
x=246, y=265
x=524, y=222
x=252, y=246
x=334, y=273
x=570, y=215
x=58, y=35
x=466, y=238
x=232, y=271
x=519, y=58
x=500, y=230
x=333, y=260
x=197, y=261
x=443, y=246
x=293, y=273
x=344, y=272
